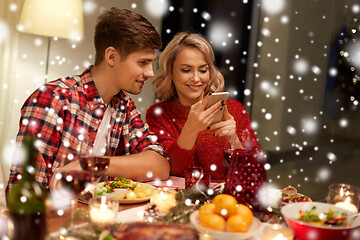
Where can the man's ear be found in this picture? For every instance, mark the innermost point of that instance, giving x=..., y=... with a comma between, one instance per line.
x=111, y=56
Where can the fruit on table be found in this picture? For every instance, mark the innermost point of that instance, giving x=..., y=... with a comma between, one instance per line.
x=214, y=222
x=205, y=209
x=225, y=214
x=225, y=205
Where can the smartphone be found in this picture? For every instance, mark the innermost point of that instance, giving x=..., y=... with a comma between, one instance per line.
x=215, y=97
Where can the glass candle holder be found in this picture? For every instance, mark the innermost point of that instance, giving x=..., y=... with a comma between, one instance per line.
x=102, y=212
x=277, y=232
x=196, y=176
x=344, y=196
x=163, y=199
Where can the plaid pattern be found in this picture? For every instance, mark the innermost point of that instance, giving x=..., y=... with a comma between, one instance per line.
x=64, y=111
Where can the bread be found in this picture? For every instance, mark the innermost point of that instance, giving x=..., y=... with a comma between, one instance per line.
x=155, y=231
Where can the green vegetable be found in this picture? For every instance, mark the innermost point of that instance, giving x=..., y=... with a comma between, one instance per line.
x=100, y=189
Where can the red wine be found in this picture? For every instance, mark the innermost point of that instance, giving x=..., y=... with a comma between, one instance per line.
x=96, y=165
x=76, y=180
x=29, y=226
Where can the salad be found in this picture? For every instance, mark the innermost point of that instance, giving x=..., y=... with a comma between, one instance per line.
x=322, y=219
x=109, y=186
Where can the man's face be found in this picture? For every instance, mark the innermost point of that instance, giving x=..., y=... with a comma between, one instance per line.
x=134, y=70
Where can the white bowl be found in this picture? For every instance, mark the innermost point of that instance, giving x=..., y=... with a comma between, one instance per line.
x=305, y=231
x=220, y=235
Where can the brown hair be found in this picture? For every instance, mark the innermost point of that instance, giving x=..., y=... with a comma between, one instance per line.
x=126, y=31
x=163, y=84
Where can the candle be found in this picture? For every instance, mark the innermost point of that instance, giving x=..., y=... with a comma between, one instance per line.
x=163, y=199
x=102, y=212
x=277, y=232
x=347, y=205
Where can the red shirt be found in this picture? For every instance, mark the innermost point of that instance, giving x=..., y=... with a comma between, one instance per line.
x=167, y=119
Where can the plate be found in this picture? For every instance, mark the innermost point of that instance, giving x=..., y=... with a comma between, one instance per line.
x=117, y=191
x=220, y=235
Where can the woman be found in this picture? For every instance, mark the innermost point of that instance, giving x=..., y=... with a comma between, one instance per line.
x=185, y=80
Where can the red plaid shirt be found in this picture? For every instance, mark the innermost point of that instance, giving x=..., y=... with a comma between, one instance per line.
x=64, y=109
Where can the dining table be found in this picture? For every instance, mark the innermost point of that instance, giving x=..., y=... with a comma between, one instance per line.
x=55, y=221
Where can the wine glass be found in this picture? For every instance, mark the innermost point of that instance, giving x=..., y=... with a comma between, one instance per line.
x=93, y=161
x=74, y=184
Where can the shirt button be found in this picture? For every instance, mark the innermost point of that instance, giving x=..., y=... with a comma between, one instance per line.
x=97, y=121
x=102, y=106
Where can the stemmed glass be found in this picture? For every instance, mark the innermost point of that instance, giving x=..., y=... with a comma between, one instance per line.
x=74, y=184
x=93, y=160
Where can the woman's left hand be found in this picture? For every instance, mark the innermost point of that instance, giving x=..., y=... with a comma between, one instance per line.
x=227, y=129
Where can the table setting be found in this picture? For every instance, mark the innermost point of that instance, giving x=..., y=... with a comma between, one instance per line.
x=197, y=207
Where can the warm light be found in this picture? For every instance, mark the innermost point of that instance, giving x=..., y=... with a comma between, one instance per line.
x=347, y=205
x=53, y=18
x=277, y=232
x=163, y=199
x=102, y=214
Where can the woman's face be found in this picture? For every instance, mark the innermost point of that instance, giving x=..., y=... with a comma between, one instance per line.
x=190, y=74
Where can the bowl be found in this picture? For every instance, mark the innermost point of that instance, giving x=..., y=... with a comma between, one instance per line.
x=220, y=235
x=306, y=231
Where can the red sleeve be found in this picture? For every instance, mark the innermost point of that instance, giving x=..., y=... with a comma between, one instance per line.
x=168, y=131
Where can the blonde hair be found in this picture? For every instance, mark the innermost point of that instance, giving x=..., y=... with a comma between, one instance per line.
x=163, y=84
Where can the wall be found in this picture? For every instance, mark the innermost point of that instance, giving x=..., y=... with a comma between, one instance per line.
x=65, y=60
x=293, y=98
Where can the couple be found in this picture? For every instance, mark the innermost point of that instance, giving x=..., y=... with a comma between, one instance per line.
x=63, y=110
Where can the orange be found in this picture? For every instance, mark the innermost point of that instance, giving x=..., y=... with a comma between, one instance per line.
x=245, y=212
x=225, y=205
x=207, y=208
x=237, y=223
x=213, y=221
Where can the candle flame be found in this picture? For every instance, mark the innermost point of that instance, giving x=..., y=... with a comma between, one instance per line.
x=103, y=206
x=347, y=200
x=341, y=192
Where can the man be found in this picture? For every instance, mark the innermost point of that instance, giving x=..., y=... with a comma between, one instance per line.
x=67, y=113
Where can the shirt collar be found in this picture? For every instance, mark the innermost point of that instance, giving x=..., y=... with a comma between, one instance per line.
x=92, y=94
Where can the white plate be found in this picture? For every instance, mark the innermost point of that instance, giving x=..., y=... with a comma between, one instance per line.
x=117, y=191
x=219, y=235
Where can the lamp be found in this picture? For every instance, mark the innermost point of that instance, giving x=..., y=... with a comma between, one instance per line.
x=52, y=18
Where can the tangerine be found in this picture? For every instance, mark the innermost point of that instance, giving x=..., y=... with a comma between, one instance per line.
x=244, y=211
x=225, y=205
x=207, y=208
x=237, y=223
x=213, y=221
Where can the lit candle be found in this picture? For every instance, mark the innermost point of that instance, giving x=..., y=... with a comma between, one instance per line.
x=277, y=232
x=347, y=205
x=163, y=199
x=102, y=215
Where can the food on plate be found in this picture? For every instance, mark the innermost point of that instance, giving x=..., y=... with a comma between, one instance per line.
x=290, y=195
x=331, y=217
x=109, y=186
x=225, y=214
x=140, y=191
x=144, y=231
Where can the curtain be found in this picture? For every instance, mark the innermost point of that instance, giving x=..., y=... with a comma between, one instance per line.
x=10, y=11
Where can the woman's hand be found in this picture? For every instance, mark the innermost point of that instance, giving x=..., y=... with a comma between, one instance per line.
x=227, y=129
x=198, y=120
